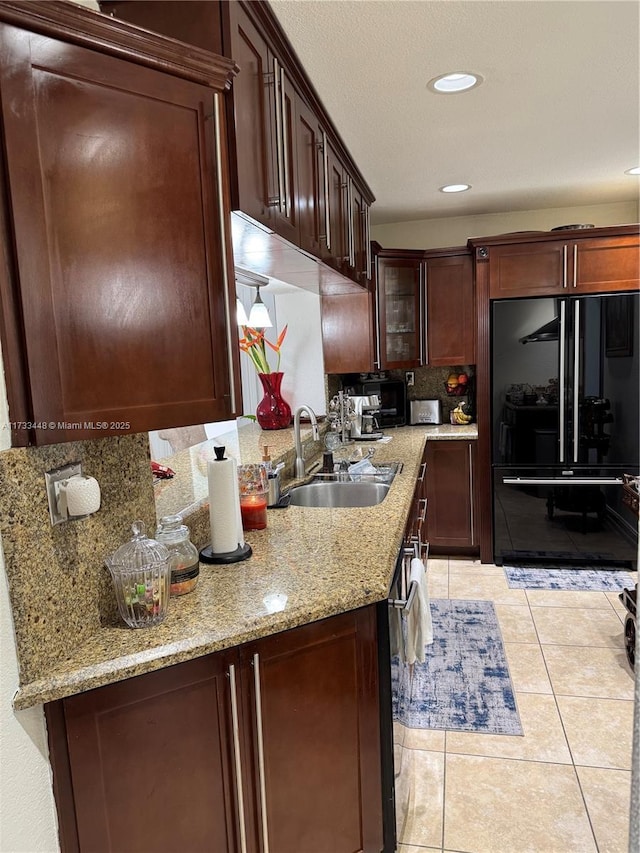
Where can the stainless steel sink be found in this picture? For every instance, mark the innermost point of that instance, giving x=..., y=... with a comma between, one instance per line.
x=335, y=494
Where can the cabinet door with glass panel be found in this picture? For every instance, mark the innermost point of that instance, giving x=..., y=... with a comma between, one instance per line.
x=399, y=335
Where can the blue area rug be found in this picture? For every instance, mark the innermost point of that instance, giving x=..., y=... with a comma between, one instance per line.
x=580, y=579
x=464, y=682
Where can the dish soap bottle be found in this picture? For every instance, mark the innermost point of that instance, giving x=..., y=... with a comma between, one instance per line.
x=183, y=554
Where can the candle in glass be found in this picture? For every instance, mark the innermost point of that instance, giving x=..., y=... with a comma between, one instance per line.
x=253, y=508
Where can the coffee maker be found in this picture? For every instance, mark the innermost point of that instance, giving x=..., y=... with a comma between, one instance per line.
x=391, y=394
x=365, y=422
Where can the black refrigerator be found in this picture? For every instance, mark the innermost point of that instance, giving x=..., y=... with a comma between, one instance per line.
x=565, y=429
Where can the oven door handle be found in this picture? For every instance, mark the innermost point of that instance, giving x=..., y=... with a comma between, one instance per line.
x=562, y=481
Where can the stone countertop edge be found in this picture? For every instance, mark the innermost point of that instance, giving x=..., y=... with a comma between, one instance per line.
x=304, y=568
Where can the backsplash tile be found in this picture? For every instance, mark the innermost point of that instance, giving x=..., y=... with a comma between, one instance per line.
x=59, y=587
x=429, y=384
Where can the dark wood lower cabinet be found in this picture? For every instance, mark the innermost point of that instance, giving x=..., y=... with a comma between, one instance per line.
x=155, y=763
x=450, y=495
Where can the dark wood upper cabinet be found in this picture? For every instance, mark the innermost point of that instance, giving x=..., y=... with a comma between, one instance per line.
x=254, y=179
x=289, y=170
x=425, y=304
x=360, y=236
x=576, y=265
x=400, y=312
x=272, y=745
x=347, y=332
x=607, y=264
x=335, y=246
x=115, y=189
x=450, y=309
x=197, y=22
x=309, y=147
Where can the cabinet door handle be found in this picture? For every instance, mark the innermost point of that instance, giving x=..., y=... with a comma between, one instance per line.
x=277, y=81
x=564, y=266
x=424, y=342
x=285, y=144
x=261, y=768
x=471, y=501
x=352, y=250
x=423, y=471
x=367, y=242
x=575, y=264
x=231, y=328
x=423, y=514
x=236, y=756
x=327, y=208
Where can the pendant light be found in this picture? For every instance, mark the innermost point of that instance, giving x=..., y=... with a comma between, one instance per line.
x=258, y=316
x=241, y=314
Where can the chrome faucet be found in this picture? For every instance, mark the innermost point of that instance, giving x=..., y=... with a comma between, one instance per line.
x=299, y=463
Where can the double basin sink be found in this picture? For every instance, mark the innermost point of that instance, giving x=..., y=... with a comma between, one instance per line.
x=368, y=490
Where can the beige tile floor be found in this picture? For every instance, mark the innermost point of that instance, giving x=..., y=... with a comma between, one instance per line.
x=565, y=785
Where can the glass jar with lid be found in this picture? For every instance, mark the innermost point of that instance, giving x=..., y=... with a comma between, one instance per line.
x=141, y=573
x=183, y=554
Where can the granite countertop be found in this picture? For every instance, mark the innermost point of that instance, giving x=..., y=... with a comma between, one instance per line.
x=306, y=565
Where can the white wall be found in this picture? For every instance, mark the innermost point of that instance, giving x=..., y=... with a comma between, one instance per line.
x=28, y=822
x=456, y=230
x=302, y=359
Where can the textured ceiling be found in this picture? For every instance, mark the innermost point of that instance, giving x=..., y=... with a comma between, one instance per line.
x=555, y=123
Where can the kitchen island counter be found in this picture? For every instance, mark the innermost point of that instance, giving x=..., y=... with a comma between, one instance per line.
x=308, y=564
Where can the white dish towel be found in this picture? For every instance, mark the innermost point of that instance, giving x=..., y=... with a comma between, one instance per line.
x=419, y=625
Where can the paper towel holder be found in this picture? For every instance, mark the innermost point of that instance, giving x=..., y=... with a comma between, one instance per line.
x=242, y=552
x=57, y=481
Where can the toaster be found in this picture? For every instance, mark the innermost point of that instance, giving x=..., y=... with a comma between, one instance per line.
x=425, y=412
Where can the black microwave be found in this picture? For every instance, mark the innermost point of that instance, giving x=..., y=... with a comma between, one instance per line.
x=393, y=399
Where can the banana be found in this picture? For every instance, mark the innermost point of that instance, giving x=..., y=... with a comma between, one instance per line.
x=459, y=416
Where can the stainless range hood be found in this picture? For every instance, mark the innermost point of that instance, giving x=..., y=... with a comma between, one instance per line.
x=548, y=332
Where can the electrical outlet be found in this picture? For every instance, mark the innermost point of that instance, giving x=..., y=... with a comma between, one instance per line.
x=52, y=479
x=410, y=377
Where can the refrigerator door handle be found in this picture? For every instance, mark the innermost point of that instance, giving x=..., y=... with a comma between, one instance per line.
x=576, y=379
x=562, y=481
x=562, y=378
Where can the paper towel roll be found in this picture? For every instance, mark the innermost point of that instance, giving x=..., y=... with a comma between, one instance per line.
x=82, y=495
x=224, y=505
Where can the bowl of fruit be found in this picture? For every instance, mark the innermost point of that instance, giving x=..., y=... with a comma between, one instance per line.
x=457, y=384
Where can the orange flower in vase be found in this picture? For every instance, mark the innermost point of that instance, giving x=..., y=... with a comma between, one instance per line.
x=273, y=411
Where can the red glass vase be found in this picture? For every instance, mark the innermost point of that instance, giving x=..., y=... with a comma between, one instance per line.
x=273, y=411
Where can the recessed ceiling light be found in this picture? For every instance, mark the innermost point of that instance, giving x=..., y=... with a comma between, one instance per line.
x=455, y=188
x=457, y=81
x=634, y=171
